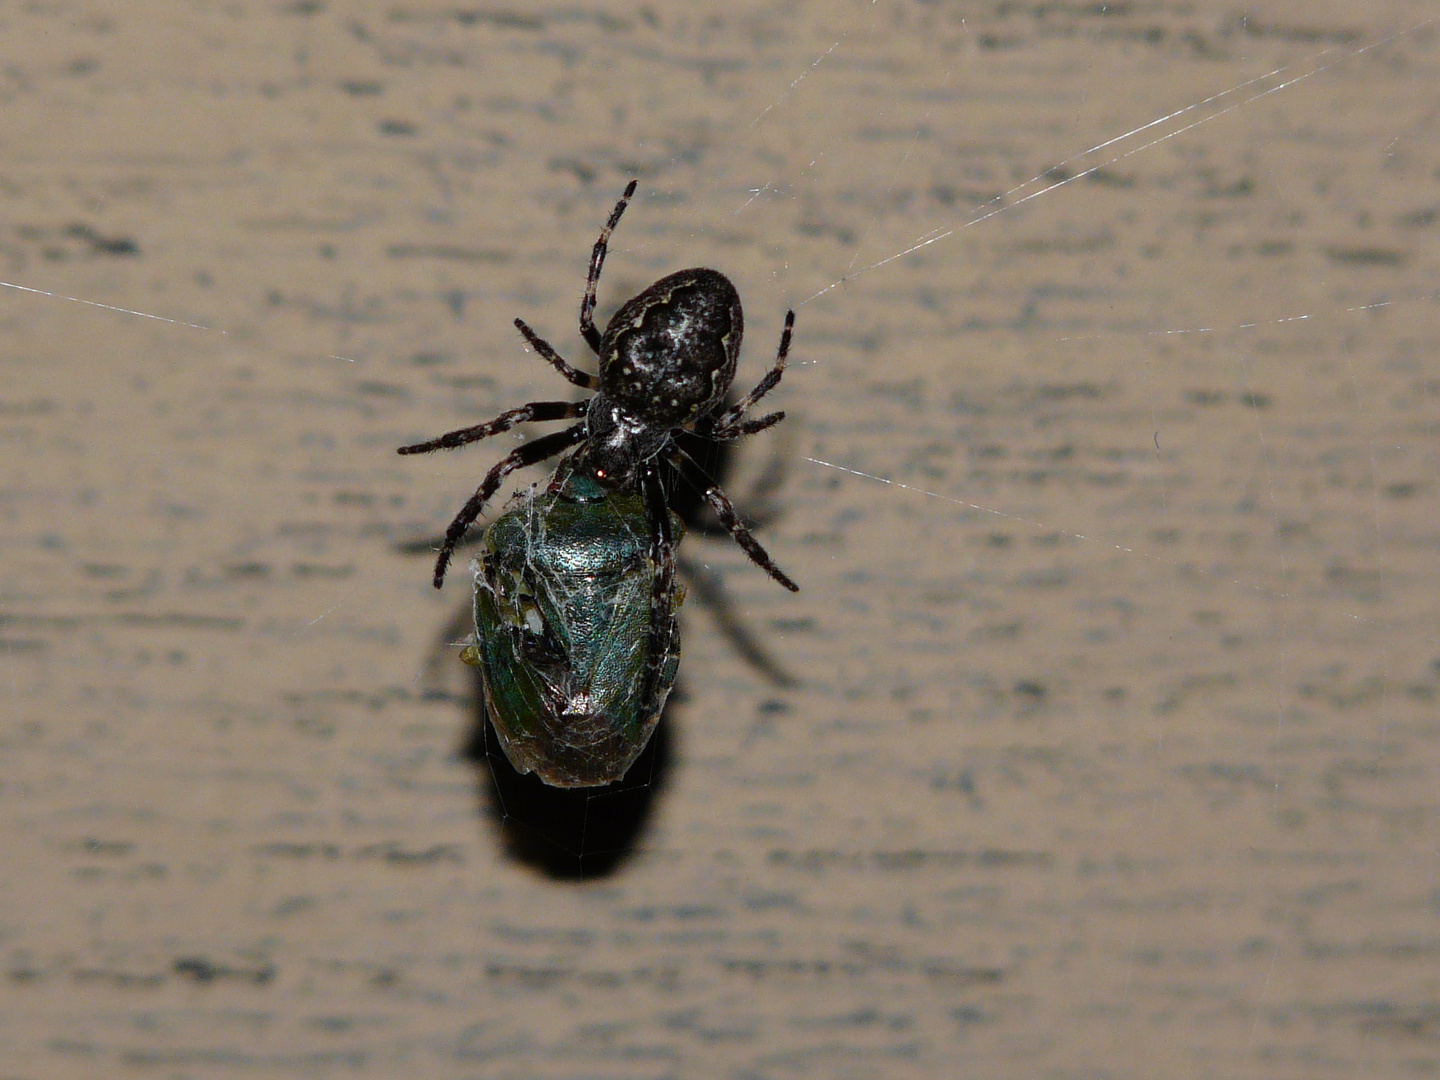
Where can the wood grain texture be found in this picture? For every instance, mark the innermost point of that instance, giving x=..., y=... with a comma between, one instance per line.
x=1115, y=749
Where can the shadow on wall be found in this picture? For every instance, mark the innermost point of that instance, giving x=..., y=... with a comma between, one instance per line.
x=568, y=834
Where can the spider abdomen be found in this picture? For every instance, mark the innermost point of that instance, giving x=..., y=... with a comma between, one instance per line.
x=669, y=354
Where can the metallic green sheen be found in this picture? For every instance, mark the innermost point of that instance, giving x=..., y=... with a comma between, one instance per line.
x=562, y=622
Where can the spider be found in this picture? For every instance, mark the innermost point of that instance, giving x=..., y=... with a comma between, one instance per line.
x=667, y=360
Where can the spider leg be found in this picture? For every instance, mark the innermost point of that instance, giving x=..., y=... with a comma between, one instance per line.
x=758, y=555
x=697, y=462
x=543, y=347
x=710, y=590
x=535, y=411
x=760, y=502
x=529, y=454
x=731, y=416
x=662, y=611
x=597, y=260
x=747, y=427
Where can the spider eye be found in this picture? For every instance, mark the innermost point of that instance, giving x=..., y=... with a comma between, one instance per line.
x=599, y=474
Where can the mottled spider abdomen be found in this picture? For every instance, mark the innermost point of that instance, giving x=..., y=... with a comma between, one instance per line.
x=669, y=354
x=564, y=629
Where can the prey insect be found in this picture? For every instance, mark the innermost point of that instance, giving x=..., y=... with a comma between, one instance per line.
x=563, y=625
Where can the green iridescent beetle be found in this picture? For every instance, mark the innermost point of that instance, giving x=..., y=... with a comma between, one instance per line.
x=564, y=583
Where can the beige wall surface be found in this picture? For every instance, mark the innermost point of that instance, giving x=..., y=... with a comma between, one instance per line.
x=1110, y=480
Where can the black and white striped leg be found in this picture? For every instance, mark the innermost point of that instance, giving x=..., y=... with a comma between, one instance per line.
x=558, y=362
x=597, y=260
x=662, y=586
x=536, y=411
x=747, y=427
x=707, y=587
x=758, y=555
x=529, y=454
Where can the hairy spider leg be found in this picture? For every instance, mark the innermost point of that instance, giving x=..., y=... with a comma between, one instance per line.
x=758, y=555
x=535, y=411
x=748, y=427
x=709, y=588
x=709, y=463
x=728, y=424
x=662, y=611
x=597, y=260
x=529, y=454
x=544, y=348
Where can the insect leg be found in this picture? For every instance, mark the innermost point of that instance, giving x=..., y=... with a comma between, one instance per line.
x=535, y=411
x=597, y=260
x=529, y=454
